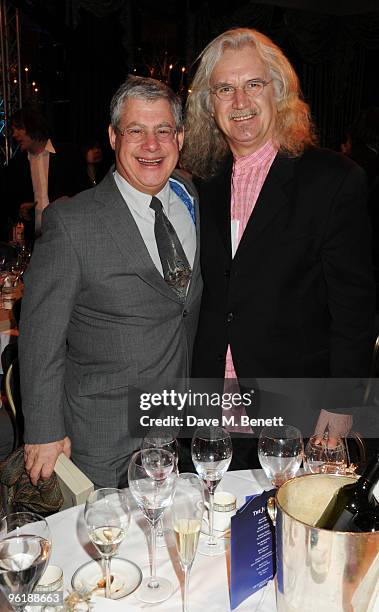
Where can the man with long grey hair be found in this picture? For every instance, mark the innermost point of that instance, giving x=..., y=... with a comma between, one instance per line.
x=288, y=288
x=111, y=296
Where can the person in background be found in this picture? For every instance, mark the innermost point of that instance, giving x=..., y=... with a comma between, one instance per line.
x=108, y=306
x=41, y=171
x=285, y=238
x=96, y=164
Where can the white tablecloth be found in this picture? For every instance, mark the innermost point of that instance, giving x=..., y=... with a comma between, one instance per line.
x=209, y=576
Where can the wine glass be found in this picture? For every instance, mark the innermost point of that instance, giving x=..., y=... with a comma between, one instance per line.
x=107, y=517
x=162, y=438
x=152, y=479
x=319, y=457
x=280, y=452
x=211, y=455
x=25, y=546
x=187, y=515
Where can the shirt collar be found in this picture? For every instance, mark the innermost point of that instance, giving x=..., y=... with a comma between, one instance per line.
x=48, y=149
x=139, y=201
x=266, y=152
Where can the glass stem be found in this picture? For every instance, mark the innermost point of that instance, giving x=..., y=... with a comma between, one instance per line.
x=107, y=568
x=211, y=540
x=153, y=582
x=186, y=587
x=160, y=533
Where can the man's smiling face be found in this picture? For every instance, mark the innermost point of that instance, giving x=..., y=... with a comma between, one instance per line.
x=246, y=122
x=146, y=165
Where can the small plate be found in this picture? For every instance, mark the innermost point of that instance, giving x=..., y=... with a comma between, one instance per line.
x=127, y=577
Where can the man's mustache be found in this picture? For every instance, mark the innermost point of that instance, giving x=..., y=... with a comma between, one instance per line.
x=243, y=113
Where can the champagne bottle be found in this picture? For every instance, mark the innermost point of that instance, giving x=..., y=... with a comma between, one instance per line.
x=367, y=521
x=351, y=500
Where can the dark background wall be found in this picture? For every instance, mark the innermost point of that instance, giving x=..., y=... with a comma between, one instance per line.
x=80, y=50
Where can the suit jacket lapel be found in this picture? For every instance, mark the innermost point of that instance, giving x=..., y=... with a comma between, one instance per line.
x=220, y=197
x=275, y=193
x=117, y=217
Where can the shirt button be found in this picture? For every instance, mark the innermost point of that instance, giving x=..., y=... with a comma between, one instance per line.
x=230, y=317
x=227, y=273
x=220, y=357
x=185, y=313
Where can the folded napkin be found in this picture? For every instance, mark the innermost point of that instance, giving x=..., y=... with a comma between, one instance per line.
x=45, y=498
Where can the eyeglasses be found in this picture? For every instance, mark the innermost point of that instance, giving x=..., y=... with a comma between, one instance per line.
x=253, y=89
x=165, y=133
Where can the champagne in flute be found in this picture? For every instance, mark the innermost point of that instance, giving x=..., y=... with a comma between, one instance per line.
x=187, y=533
x=187, y=514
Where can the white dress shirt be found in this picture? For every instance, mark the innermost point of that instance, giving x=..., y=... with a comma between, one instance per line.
x=39, y=170
x=175, y=210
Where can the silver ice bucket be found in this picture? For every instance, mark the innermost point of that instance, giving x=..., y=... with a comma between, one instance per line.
x=319, y=570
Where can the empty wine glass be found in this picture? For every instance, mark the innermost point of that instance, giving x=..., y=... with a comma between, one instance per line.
x=152, y=479
x=107, y=517
x=162, y=438
x=187, y=515
x=319, y=457
x=280, y=452
x=211, y=455
x=25, y=546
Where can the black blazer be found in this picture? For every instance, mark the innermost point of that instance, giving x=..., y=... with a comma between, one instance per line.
x=298, y=297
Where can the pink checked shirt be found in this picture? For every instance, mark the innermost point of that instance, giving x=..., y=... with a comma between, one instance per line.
x=249, y=174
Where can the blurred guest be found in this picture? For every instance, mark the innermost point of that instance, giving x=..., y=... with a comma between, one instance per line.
x=285, y=242
x=96, y=164
x=42, y=170
x=112, y=295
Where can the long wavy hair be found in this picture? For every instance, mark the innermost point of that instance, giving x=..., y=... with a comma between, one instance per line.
x=205, y=146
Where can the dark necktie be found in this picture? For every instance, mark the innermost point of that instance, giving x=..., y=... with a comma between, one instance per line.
x=176, y=269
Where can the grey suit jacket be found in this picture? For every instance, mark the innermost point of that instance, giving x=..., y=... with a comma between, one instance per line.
x=97, y=321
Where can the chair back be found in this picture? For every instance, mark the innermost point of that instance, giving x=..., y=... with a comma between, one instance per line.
x=12, y=391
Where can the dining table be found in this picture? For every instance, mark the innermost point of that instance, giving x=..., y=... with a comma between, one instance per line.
x=210, y=576
x=209, y=581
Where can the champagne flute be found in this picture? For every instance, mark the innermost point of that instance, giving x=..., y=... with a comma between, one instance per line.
x=152, y=479
x=187, y=515
x=162, y=438
x=211, y=455
x=107, y=517
x=280, y=452
x=25, y=545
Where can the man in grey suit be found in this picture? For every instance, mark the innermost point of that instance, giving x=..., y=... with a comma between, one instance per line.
x=99, y=317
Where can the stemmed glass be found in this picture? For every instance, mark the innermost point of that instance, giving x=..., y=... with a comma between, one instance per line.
x=152, y=479
x=107, y=517
x=187, y=515
x=280, y=452
x=319, y=457
x=25, y=546
x=161, y=438
x=211, y=455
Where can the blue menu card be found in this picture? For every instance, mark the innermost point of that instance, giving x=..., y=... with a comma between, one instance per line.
x=252, y=549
